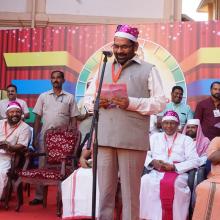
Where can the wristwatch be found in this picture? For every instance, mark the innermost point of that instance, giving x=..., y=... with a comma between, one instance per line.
x=151, y=164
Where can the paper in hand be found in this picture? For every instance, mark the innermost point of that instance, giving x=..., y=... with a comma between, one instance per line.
x=110, y=91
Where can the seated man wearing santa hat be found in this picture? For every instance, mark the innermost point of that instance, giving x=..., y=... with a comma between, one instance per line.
x=14, y=137
x=164, y=191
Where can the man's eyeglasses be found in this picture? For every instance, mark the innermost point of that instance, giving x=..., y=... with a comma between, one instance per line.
x=122, y=47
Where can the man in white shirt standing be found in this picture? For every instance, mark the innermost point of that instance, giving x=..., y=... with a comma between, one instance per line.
x=56, y=108
x=123, y=130
x=12, y=96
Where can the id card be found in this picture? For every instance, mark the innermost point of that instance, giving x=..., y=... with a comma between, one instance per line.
x=216, y=113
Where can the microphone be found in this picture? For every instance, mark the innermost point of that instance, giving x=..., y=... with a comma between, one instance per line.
x=107, y=53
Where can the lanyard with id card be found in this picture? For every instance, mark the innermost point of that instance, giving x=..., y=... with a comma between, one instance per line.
x=216, y=113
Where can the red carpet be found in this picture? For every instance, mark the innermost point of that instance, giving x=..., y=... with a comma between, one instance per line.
x=31, y=212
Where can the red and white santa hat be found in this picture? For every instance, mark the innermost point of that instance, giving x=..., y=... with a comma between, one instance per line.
x=14, y=104
x=171, y=116
x=126, y=31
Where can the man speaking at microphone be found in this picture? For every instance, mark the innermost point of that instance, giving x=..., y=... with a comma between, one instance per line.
x=123, y=127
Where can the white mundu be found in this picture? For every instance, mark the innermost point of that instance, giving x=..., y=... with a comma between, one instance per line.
x=77, y=194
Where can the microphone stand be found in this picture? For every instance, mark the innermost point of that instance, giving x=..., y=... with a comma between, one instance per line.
x=94, y=128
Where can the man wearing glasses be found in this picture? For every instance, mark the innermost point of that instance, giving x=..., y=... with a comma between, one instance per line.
x=124, y=124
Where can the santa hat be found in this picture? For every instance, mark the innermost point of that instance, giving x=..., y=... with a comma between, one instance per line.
x=126, y=31
x=171, y=116
x=13, y=104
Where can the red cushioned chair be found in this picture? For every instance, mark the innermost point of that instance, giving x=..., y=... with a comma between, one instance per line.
x=60, y=149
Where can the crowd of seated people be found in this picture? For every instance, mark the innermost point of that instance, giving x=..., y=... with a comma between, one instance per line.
x=202, y=130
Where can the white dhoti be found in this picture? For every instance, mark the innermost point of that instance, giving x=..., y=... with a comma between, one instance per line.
x=150, y=203
x=5, y=164
x=77, y=195
x=3, y=182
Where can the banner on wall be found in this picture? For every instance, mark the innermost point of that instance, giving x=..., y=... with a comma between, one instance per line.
x=186, y=54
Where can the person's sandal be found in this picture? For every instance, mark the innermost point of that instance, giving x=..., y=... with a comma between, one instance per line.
x=36, y=202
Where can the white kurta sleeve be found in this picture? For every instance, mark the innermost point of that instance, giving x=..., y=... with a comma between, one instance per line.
x=25, y=108
x=156, y=102
x=148, y=160
x=149, y=157
x=90, y=95
x=202, y=160
x=192, y=158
